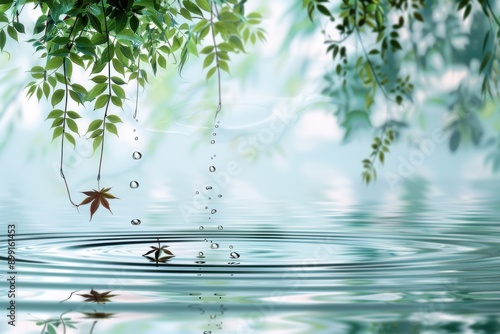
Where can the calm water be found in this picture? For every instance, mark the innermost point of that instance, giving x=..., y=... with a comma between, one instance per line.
x=422, y=264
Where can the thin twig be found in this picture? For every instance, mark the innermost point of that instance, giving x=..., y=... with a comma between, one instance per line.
x=61, y=171
x=219, y=105
x=109, y=95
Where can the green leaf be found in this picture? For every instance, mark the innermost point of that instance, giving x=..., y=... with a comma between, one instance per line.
x=118, y=66
x=208, y=60
x=117, y=101
x=207, y=49
x=118, y=91
x=97, y=90
x=96, y=133
x=55, y=113
x=99, y=78
x=57, y=122
x=73, y=115
x=223, y=65
x=95, y=22
x=112, y=128
x=54, y=63
x=118, y=80
x=211, y=72
x=57, y=97
x=94, y=125
x=101, y=101
x=485, y=61
x=454, y=140
x=12, y=33
x=418, y=16
x=76, y=97
x=70, y=138
x=121, y=20
x=3, y=39
x=236, y=42
x=72, y=125
x=57, y=132
x=19, y=27
x=203, y=4
x=134, y=23
x=114, y=119
x=97, y=142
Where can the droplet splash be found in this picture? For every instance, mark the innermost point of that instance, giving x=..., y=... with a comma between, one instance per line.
x=214, y=246
x=208, y=187
x=234, y=255
x=136, y=155
x=135, y=222
x=134, y=184
x=211, y=169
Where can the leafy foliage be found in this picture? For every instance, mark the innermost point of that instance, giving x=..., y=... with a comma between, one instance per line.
x=113, y=41
x=50, y=326
x=388, y=48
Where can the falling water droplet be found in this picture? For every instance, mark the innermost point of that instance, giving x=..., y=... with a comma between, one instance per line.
x=210, y=198
x=220, y=227
x=201, y=227
x=213, y=211
x=212, y=141
x=220, y=196
x=213, y=316
x=211, y=168
x=206, y=240
x=197, y=192
x=135, y=130
x=207, y=332
x=214, y=134
x=206, y=207
x=134, y=184
x=216, y=125
x=234, y=255
x=230, y=246
x=136, y=138
x=136, y=155
x=135, y=222
x=208, y=187
x=214, y=246
x=200, y=254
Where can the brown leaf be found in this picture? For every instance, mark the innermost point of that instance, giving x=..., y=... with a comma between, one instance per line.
x=97, y=198
x=94, y=296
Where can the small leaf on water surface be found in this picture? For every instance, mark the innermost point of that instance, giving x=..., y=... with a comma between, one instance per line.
x=94, y=296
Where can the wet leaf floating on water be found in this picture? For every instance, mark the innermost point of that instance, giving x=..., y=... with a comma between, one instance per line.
x=96, y=198
x=96, y=297
x=158, y=252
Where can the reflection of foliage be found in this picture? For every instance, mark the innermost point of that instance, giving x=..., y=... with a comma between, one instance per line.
x=158, y=252
x=98, y=315
x=382, y=61
x=97, y=198
x=96, y=297
x=112, y=41
x=50, y=326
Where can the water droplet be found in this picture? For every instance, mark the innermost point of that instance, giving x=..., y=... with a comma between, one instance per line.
x=214, y=134
x=213, y=316
x=200, y=254
x=135, y=222
x=134, y=184
x=220, y=227
x=212, y=141
x=136, y=138
x=208, y=187
x=234, y=255
x=206, y=240
x=199, y=262
x=197, y=192
x=211, y=168
x=207, y=332
x=201, y=227
x=135, y=130
x=136, y=155
x=206, y=207
x=210, y=198
x=220, y=196
x=216, y=125
x=213, y=211
x=214, y=246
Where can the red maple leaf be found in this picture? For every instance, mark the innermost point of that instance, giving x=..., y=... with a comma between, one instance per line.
x=96, y=198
